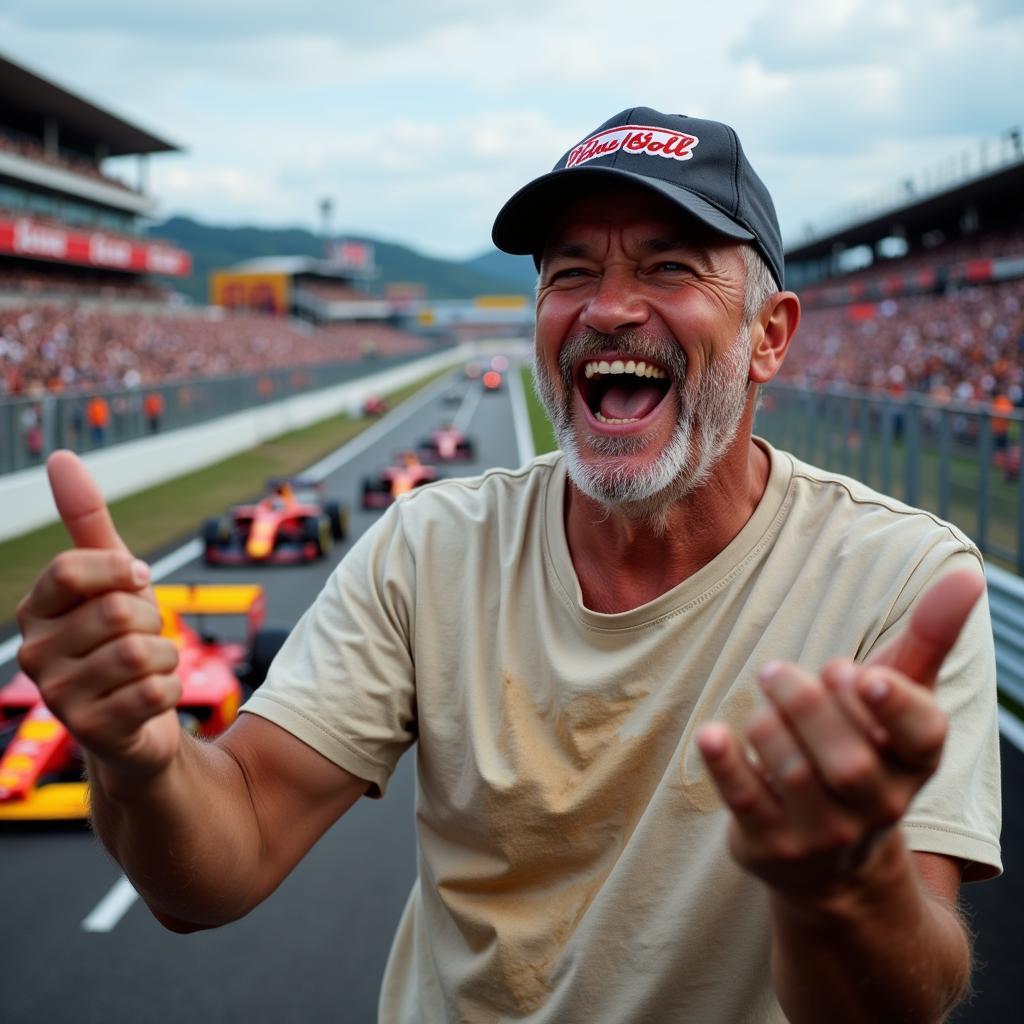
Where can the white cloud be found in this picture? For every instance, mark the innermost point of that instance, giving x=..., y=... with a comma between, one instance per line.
x=421, y=118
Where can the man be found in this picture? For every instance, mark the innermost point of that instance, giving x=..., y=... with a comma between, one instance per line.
x=670, y=644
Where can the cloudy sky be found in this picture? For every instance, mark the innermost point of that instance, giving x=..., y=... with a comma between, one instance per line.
x=418, y=118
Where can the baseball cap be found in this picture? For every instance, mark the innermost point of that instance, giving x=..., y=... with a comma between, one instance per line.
x=697, y=164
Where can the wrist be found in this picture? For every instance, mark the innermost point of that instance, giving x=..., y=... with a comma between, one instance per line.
x=126, y=783
x=874, y=874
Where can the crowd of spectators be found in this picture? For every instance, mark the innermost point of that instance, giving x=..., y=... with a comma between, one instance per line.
x=964, y=345
x=31, y=149
x=97, y=285
x=56, y=348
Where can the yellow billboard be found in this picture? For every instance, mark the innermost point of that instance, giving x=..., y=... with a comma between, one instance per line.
x=263, y=293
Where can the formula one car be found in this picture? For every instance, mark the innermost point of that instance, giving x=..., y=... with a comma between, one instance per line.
x=374, y=405
x=491, y=381
x=41, y=764
x=407, y=472
x=291, y=524
x=447, y=444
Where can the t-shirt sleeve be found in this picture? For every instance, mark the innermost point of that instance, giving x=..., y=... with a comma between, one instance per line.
x=958, y=812
x=344, y=681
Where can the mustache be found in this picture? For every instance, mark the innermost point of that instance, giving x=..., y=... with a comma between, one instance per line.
x=635, y=345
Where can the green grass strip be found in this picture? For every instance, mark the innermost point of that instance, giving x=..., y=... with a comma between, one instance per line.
x=158, y=518
x=540, y=425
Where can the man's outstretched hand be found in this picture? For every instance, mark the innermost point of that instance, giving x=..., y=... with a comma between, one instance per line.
x=91, y=636
x=838, y=756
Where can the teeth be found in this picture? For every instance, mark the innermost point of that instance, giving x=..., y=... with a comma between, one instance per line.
x=639, y=369
x=609, y=419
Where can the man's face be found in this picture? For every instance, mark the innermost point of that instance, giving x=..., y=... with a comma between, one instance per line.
x=642, y=357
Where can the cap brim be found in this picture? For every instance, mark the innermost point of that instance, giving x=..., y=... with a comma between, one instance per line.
x=523, y=223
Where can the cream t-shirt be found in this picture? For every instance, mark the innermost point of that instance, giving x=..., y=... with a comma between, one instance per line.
x=572, y=848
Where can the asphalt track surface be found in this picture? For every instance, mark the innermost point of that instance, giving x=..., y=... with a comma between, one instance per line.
x=77, y=947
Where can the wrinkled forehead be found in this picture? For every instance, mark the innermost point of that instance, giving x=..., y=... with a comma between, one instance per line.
x=633, y=215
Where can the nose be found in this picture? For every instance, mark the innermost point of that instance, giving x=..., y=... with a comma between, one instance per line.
x=616, y=304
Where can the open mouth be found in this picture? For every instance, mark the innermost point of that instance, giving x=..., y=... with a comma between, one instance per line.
x=622, y=391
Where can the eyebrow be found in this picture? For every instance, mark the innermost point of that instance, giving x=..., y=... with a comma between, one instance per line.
x=574, y=250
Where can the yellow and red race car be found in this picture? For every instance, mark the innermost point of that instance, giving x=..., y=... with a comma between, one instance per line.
x=293, y=523
x=394, y=481
x=446, y=444
x=41, y=764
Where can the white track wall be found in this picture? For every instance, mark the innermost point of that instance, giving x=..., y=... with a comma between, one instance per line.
x=25, y=501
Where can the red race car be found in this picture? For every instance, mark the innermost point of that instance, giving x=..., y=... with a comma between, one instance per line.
x=491, y=381
x=447, y=444
x=407, y=472
x=291, y=524
x=41, y=765
x=374, y=405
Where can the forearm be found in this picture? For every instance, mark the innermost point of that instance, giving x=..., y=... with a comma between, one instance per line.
x=884, y=949
x=187, y=838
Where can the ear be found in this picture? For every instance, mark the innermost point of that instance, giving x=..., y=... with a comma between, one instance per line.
x=771, y=333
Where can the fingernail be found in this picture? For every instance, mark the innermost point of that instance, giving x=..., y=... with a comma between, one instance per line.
x=140, y=572
x=876, y=688
x=846, y=676
x=769, y=671
x=711, y=741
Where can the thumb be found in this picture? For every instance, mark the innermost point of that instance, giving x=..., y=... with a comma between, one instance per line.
x=80, y=503
x=919, y=651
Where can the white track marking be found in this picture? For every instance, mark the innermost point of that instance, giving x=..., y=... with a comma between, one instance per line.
x=466, y=410
x=374, y=433
x=106, y=914
x=8, y=649
x=1012, y=729
x=520, y=417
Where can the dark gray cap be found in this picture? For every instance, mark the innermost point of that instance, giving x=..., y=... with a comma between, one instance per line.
x=699, y=165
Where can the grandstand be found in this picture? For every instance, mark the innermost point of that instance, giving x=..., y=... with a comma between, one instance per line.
x=924, y=291
x=83, y=303
x=68, y=227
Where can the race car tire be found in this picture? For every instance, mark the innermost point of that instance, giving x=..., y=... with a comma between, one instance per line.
x=317, y=530
x=262, y=651
x=338, y=516
x=465, y=449
x=216, y=533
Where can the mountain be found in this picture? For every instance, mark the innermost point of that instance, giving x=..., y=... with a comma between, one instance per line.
x=214, y=247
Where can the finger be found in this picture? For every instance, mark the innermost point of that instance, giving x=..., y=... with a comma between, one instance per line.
x=90, y=625
x=109, y=723
x=840, y=751
x=840, y=678
x=918, y=652
x=80, y=503
x=915, y=723
x=77, y=575
x=71, y=684
x=785, y=767
x=736, y=779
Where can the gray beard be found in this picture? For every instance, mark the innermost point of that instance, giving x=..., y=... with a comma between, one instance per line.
x=711, y=408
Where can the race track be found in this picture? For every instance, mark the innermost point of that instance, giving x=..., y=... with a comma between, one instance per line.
x=77, y=947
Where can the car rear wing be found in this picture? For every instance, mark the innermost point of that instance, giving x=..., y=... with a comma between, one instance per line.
x=209, y=598
x=305, y=483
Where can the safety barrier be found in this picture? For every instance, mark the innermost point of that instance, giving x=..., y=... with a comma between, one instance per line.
x=1006, y=603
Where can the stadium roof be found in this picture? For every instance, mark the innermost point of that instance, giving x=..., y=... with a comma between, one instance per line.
x=995, y=197
x=27, y=95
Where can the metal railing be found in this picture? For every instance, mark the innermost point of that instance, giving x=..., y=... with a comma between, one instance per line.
x=33, y=426
x=1006, y=605
x=962, y=462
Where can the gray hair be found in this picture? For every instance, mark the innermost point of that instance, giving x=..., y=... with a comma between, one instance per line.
x=759, y=287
